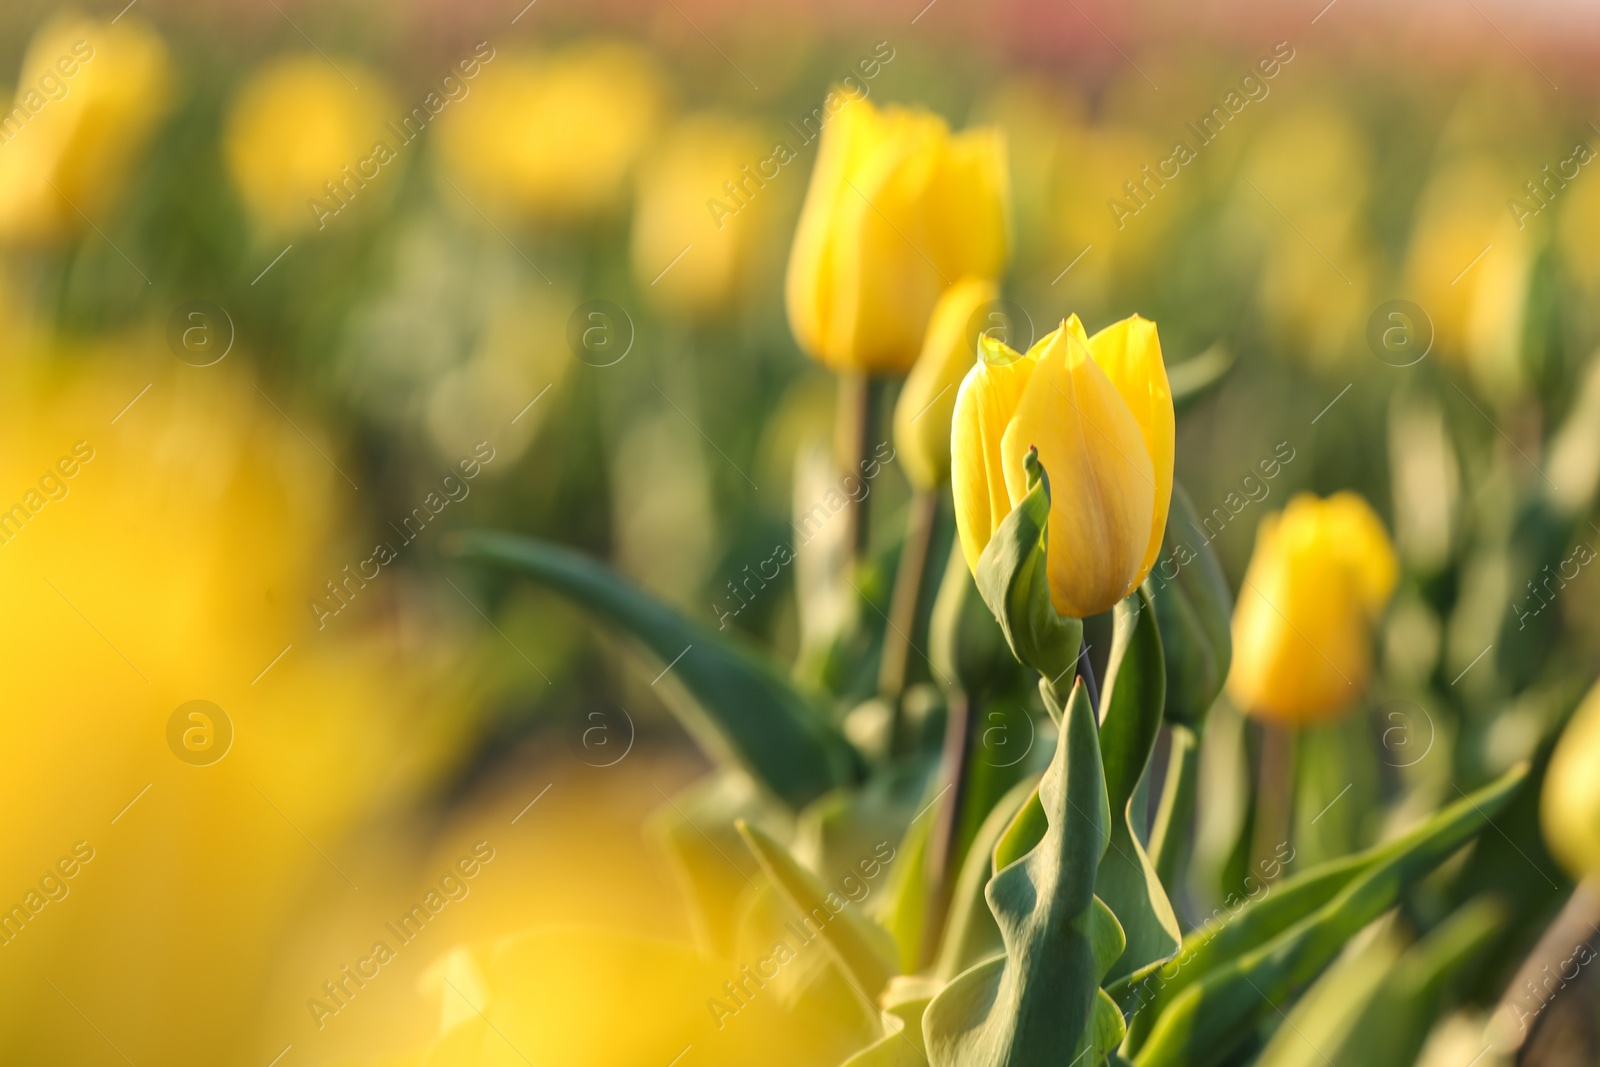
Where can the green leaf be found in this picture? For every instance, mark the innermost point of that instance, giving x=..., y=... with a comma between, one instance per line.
x=861, y=947
x=1394, y=1025
x=696, y=827
x=901, y=1045
x=970, y=932
x=1013, y=579
x=1135, y=691
x=1038, y=1004
x=738, y=707
x=1173, y=831
x=1258, y=967
x=1193, y=380
x=1195, y=613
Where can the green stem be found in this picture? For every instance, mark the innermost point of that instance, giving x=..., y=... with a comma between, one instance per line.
x=1275, y=801
x=909, y=581
x=942, y=845
x=852, y=435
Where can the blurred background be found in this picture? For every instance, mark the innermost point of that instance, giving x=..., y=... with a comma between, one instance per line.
x=290, y=291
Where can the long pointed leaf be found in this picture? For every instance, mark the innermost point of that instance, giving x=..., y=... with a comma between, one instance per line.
x=1038, y=1004
x=739, y=709
x=861, y=947
x=1199, y=1026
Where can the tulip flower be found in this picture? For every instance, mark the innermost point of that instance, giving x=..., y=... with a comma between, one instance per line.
x=928, y=399
x=1099, y=411
x=1321, y=574
x=554, y=138
x=1571, y=800
x=898, y=210
x=89, y=96
x=672, y=212
x=302, y=142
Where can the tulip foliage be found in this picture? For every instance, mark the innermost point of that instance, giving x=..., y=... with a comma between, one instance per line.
x=1053, y=937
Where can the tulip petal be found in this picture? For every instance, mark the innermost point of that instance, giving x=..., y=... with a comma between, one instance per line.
x=984, y=408
x=1129, y=352
x=1102, y=481
x=809, y=285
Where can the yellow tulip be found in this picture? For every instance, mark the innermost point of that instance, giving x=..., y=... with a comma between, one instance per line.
x=677, y=224
x=1571, y=800
x=898, y=210
x=922, y=413
x=1321, y=574
x=554, y=137
x=161, y=531
x=1099, y=411
x=89, y=95
x=301, y=141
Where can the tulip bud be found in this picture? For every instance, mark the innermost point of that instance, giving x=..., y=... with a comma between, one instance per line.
x=1321, y=574
x=1099, y=412
x=554, y=138
x=922, y=414
x=1571, y=800
x=898, y=210
x=302, y=143
x=89, y=95
x=672, y=212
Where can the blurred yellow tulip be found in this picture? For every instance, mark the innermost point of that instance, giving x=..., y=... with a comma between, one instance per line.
x=553, y=137
x=898, y=210
x=1570, y=808
x=1468, y=267
x=922, y=413
x=88, y=98
x=300, y=140
x=1099, y=411
x=1322, y=572
x=676, y=225
x=160, y=534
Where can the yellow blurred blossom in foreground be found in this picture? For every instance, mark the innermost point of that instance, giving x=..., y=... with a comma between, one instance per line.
x=89, y=95
x=1099, y=411
x=555, y=136
x=690, y=251
x=162, y=528
x=1321, y=574
x=302, y=142
x=897, y=211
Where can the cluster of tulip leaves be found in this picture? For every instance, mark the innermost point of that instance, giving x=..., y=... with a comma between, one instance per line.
x=1051, y=938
